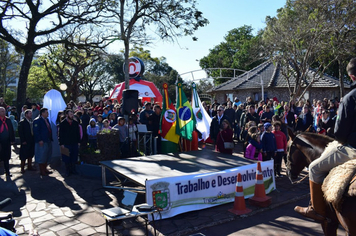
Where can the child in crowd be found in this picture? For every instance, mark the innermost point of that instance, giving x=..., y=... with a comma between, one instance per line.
x=92, y=131
x=112, y=119
x=99, y=122
x=132, y=136
x=281, y=143
x=244, y=133
x=106, y=125
x=261, y=129
x=268, y=143
x=251, y=151
x=123, y=135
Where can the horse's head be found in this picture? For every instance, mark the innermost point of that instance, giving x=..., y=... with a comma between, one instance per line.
x=302, y=150
x=296, y=160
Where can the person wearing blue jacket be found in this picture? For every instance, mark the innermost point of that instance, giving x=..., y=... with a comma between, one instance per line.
x=268, y=141
x=42, y=133
x=92, y=131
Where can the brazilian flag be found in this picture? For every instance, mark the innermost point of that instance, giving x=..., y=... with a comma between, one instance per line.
x=185, y=119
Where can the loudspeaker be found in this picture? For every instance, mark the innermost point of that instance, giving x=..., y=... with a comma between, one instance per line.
x=129, y=101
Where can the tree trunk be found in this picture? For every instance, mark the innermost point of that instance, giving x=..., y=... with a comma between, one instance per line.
x=341, y=78
x=22, y=84
x=126, y=65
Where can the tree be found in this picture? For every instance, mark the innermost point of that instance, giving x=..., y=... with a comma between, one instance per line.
x=9, y=69
x=304, y=35
x=82, y=70
x=46, y=23
x=169, y=18
x=38, y=82
x=114, y=67
x=339, y=17
x=95, y=77
x=240, y=50
x=203, y=86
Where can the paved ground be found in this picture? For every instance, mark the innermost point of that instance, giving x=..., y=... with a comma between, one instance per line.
x=281, y=221
x=55, y=205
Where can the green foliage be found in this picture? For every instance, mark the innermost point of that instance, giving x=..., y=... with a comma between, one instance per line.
x=9, y=65
x=114, y=67
x=167, y=19
x=38, y=82
x=10, y=96
x=83, y=70
x=240, y=50
x=308, y=33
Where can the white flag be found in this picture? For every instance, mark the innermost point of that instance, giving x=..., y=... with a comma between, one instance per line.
x=202, y=118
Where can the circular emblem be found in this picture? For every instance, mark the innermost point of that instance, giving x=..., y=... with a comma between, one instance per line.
x=199, y=115
x=136, y=67
x=165, y=85
x=170, y=115
x=184, y=113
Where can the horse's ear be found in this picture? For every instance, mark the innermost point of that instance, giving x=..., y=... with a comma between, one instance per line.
x=290, y=133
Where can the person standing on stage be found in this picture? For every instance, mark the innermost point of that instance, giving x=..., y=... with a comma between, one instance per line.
x=7, y=138
x=225, y=135
x=43, y=141
x=69, y=139
x=216, y=123
x=27, y=149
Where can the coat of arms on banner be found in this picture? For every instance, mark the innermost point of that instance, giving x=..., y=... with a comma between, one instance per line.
x=160, y=195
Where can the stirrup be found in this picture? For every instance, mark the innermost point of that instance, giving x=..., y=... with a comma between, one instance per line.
x=310, y=213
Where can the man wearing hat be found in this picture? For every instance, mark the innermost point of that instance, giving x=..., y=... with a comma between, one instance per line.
x=237, y=102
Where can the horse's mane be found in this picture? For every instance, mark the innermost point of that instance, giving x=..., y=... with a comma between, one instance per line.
x=317, y=136
x=313, y=144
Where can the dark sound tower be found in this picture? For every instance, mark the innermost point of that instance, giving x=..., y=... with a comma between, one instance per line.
x=129, y=101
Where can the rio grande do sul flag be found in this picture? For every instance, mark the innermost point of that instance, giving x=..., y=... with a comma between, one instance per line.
x=185, y=118
x=168, y=122
x=202, y=118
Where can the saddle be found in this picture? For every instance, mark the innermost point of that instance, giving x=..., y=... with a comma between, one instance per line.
x=340, y=183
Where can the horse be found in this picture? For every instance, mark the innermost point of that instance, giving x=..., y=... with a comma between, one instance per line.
x=302, y=150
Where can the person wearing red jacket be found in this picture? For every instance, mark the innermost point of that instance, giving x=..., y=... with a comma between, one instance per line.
x=281, y=142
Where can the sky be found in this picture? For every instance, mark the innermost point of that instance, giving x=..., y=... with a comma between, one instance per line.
x=223, y=15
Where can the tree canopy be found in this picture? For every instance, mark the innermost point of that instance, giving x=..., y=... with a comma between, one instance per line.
x=309, y=34
x=42, y=23
x=168, y=19
x=240, y=50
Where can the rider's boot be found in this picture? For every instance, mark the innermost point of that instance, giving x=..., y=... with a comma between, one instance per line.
x=317, y=207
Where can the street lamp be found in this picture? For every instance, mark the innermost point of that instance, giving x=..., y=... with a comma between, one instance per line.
x=63, y=87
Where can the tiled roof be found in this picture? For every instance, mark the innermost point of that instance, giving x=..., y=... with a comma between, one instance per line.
x=272, y=78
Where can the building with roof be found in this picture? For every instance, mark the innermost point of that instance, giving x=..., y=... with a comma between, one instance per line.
x=274, y=83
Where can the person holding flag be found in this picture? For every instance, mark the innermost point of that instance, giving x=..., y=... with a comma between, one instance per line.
x=168, y=123
x=202, y=118
x=185, y=118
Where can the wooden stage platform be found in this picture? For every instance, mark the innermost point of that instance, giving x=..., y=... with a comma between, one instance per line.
x=140, y=169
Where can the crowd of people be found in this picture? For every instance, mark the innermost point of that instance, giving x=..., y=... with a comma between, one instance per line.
x=262, y=127
x=78, y=127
